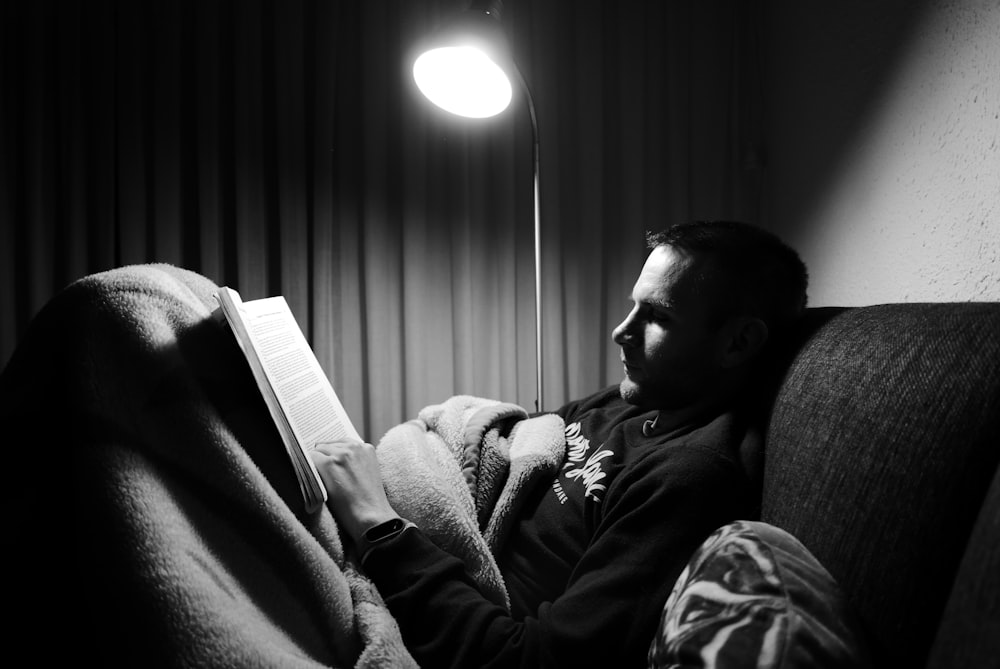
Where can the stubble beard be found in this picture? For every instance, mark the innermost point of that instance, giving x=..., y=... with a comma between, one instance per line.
x=646, y=396
x=633, y=393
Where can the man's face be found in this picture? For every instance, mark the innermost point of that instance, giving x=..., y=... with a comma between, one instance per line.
x=669, y=339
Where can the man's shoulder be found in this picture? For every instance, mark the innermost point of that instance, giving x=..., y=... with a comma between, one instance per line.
x=725, y=438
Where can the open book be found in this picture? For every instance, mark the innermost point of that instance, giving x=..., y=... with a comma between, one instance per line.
x=298, y=394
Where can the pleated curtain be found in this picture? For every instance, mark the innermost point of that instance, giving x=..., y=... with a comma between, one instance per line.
x=281, y=148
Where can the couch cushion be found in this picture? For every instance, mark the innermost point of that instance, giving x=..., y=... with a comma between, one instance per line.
x=880, y=448
x=970, y=632
x=753, y=596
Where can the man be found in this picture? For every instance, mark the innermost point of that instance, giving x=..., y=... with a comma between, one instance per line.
x=653, y=467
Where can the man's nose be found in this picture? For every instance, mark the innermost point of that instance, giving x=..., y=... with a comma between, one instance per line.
x=624, y=334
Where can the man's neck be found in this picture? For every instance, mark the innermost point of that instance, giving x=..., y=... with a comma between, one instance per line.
x=671, y=418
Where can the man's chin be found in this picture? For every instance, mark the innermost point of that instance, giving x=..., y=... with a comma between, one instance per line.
x=646, y=397
x=632, y=393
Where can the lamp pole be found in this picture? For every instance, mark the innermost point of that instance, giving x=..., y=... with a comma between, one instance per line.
x=461, y=71
x=536, y=202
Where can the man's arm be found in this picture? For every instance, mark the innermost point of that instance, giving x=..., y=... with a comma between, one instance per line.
x=350, y=472
x=609, y=612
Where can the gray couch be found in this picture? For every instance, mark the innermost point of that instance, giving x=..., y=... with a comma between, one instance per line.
x=881, y=457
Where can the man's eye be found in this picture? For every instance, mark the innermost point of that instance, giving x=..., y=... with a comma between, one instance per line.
x=659, y=316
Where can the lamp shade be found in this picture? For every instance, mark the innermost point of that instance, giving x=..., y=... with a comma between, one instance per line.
x=465, y=67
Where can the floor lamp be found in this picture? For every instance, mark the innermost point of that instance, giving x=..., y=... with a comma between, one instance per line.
x=466, y=68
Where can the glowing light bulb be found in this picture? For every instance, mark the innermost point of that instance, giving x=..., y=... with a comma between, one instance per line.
x=463, y=80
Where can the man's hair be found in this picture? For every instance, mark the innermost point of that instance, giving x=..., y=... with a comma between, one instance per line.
x=768, y=278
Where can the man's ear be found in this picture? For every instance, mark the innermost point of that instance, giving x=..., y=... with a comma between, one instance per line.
x=741, y=339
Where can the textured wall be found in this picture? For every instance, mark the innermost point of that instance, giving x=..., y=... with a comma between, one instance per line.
x=885, y=136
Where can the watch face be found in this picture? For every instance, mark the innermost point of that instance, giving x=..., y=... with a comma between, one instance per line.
x=384, y=530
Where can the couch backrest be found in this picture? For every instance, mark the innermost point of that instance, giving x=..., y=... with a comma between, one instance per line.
x=882, y=444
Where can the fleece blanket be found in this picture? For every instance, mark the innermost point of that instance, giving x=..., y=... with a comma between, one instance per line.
x=152, y=517
x=461, y=471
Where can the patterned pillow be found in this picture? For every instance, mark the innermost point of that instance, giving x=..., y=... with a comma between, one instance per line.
x=753, y=596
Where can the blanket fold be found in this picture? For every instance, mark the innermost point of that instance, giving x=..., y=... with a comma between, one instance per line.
x=461, y=470
x=153, y=515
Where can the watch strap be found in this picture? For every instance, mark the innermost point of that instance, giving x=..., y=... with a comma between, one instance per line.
x=380, y=534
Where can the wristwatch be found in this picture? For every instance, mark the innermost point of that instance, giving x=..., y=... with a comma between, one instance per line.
x=381, y=533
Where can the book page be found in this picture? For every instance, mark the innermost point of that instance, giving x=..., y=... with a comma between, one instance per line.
x=314, y=411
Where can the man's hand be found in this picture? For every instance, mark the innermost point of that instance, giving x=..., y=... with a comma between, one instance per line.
x=350, y=472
